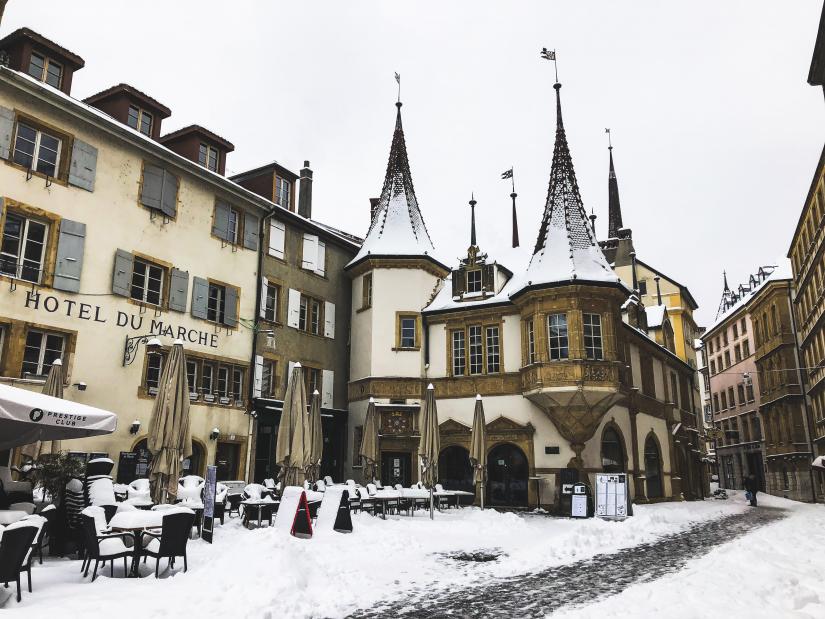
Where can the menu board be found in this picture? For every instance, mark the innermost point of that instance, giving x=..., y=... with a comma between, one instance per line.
x=209, y=490
x=611, y=496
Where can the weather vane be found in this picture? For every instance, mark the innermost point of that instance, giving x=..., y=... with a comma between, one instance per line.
x=609, y=141
x=398, y=79
x=551, y=55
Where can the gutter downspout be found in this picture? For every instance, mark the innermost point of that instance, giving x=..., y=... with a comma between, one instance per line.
x=801, y=378
x=253, y=422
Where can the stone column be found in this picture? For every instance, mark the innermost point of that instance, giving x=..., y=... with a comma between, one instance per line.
x=639, y=495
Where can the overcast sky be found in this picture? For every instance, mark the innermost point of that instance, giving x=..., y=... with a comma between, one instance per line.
x=716, y=132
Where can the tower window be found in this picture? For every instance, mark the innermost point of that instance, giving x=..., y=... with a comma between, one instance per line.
x=474, y=280
x=557, y=336
x=593, y=336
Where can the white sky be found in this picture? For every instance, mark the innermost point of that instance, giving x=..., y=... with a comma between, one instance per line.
x=715, y=129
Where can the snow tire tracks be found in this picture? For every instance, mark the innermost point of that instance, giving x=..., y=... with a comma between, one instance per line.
x=541, y=593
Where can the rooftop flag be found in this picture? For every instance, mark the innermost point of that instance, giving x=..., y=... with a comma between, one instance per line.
x=507, y=174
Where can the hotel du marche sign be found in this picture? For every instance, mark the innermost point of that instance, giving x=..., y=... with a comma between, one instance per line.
x=101, y=315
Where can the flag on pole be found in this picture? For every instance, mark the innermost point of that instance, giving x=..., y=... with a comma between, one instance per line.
x=548, y=54
x=507, y=174
x=398, y=77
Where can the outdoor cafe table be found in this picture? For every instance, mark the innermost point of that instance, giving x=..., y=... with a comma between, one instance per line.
x=135, y=522
x=10, y=516
x=383, y=497
x=259, y=505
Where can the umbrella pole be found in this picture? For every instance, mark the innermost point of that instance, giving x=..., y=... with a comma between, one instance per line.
x=482, y=495
x=432, y=513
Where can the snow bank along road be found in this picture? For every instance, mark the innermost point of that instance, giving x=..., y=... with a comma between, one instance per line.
x=540, y=593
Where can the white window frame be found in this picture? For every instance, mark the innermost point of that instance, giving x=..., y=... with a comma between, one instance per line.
x=401, y=321
x=556, y=350
x=23, y=243
x=492, y=349
x=593, y=338
x=148, y=265
x=38, y=139
x=141, y=115
x=205, y=152
x=458, y=342
x=475, y=350
x=477, y=285
x=42, y=349
x=280, y=183
x=152, y=386
x=271, y=294
x=44, y=72
x=531, y=342
x=220, y=307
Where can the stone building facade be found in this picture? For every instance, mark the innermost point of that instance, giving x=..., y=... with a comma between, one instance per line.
x=783, y=406
x=572, y=383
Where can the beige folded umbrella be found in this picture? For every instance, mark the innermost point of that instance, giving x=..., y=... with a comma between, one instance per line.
x=53, y=387
x=369, y=444
x=478, y=447
x=315, y=444
x=430, y=443
x=290, y=452
x=170, y=436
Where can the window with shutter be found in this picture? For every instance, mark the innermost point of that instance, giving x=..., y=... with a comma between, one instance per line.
x=257, y=384
x=83, y=165
x=6, y=131
x=230, y=311
x=321, y=262
x=169, y=197
x=293, y=308
x=122, y=276
x=310, y=252
x=69, y=263
x=277, y=237
x=151, y=190
x=329, y=319
x=458, y=283
x=250, y=231
x=327, y=388
x=178, y=290
x=200, y=297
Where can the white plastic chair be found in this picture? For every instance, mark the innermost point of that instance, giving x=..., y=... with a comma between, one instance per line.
x=140, y=489
x=320, y=486
x=328, y=481
x=190, y=488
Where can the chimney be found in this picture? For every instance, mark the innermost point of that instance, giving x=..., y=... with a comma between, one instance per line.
x=305, y=194
x=373, y=207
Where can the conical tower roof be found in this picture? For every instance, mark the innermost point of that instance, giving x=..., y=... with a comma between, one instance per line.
x=566, y=249
x=397, y=228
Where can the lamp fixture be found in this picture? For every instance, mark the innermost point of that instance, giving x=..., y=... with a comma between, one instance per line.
x=81, y=386
x=153, y=347
x=135, y=427
x=214, y=434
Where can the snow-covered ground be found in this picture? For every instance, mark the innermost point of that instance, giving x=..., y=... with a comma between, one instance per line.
x=777, y=571
x=264, y=573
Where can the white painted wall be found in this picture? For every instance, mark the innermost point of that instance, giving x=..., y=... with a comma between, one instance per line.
x=511, y=343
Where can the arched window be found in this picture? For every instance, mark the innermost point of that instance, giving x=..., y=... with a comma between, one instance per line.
x=612, y=451
x=193, y=465
x=507, y=476
x=454, y=469
x=653, y=469
x=774, y=324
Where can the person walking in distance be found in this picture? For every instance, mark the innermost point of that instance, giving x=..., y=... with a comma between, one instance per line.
x=751, y=488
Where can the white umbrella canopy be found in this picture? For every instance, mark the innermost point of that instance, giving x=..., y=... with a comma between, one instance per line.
x=293, y=430
x=53, y=387
x=28, y=417
x=818, y=463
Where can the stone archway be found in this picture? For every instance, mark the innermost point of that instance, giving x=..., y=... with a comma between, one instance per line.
x=653, y=468
x=613, y=452
x=454, y=470
x=508, y=472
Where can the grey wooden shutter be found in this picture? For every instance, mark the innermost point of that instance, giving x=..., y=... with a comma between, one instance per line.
x=489, y=275
x=83, y=165
x=69, y=261
x=258, y=377
x=169, y=195
x=230, y=310
x=458, y=282
x=220, y=225
x=250, y=231
x=6, y=131
x=200, y=296
x=152, y=189
x=122, y=277
x=178, y=290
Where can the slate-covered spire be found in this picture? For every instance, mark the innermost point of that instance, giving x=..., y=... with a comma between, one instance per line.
x=566, y=247
x=397, y=229
x=614, y=216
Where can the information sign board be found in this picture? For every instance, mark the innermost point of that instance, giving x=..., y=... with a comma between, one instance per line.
x=611, y=495
x=209, y=491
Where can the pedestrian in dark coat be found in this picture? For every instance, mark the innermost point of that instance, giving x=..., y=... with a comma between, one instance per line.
x=752, y=486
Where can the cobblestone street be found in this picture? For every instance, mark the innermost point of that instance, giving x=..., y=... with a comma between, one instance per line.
x=582, y=582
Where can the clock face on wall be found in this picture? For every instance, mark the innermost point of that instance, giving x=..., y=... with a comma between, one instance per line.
x=396, y=422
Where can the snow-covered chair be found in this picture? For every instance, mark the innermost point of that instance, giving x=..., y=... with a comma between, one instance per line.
x=98, y=514
x=102, y=492
x=17, y=490
x=190, y=487
x=140, y=489
x=269, y=483
x=328, y=481
x=320, y=486
x=254, y=492
x=221, y=492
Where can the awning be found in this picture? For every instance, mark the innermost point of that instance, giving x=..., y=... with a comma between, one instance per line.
x=818, y=463
x=28, y=416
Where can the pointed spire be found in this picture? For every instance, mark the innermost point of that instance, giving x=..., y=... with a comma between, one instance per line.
x=725, y=288
x=566, y=247
x=473, y=220
x=614, y=217
x=397, y=228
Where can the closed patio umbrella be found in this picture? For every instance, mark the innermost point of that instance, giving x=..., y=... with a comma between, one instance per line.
x=290, y=453
x=53, y=387
x=315, y=444
x=28, y=417
x=369, y=443
x=170, y=436
x=430, y=443
x=478, y=447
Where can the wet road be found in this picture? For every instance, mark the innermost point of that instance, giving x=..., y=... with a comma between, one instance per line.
x=540, y=593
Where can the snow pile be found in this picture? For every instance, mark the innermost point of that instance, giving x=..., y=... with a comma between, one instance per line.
x=266, y=573
x=655, y=316
x=775, y=571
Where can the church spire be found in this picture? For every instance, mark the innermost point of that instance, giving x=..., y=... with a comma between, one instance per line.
x=397, y=228
x=566, y=247
x=473, y=221
x=614, y=217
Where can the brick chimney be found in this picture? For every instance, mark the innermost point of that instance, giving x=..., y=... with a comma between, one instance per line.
x=305, y=193
x=373, y=207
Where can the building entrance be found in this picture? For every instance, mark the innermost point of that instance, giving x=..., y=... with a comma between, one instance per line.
x=507, y=473
x=396, y=468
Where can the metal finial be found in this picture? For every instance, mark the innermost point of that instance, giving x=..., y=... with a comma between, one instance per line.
x=398, y=80
x=472, y=220
x=609, y=141
x=551, y=55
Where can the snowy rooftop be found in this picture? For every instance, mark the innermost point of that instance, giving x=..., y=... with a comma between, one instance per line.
x=655, y=316
x=397, y=229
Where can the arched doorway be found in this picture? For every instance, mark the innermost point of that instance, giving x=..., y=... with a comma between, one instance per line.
x=193, y=465
x=612, y=451
x=454, y=470
x=653, y=469
x=507, y=473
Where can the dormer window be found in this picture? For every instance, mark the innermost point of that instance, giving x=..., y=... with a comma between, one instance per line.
x=140, y=119
x=46, y=70
x=283, y=188
x=474, y=281
x=208, y=157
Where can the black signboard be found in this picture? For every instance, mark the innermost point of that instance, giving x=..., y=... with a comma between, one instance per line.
x=209, y=490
